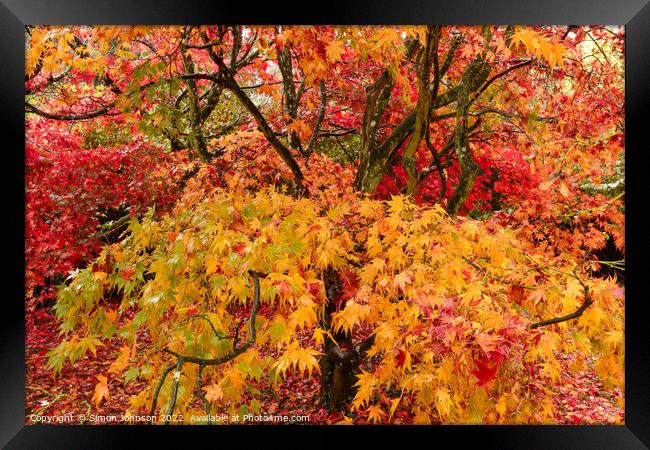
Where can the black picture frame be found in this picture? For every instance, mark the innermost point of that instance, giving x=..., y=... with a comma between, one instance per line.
x=15, y=14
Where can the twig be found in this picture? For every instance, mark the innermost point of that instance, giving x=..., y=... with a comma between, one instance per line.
x=494, y=277
x=157, y=391
x=574, y=315
x=199, y=389
x=177, y=378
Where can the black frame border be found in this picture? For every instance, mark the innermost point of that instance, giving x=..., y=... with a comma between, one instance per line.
x=634, y=14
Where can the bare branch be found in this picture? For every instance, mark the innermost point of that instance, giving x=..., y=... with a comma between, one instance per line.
x=29, y=108
x=236, y=350
x=497, y=76
x=319, y=119
x=158, y=387
x=176, y=381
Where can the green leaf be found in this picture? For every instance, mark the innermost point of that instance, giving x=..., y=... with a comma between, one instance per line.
x=131, y=374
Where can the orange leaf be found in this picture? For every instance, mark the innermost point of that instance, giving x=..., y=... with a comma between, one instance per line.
x=122, y=360
x=101, y=390
x=213, y=393
x=334, y=51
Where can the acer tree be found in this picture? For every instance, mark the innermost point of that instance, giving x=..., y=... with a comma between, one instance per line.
x=416, y=214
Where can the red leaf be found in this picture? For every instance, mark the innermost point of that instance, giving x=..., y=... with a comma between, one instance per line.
x=127, y=273
x=240, y=248
x=400, y=358
x=350, y=282
x=486, y=370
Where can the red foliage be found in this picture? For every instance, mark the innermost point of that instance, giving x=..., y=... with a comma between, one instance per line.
x=505, y=176
x=70, y=190
x=486, y=369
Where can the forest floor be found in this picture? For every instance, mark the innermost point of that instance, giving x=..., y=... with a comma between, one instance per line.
x=580, y=399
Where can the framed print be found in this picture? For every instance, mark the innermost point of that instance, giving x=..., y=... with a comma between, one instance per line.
x=397, y=219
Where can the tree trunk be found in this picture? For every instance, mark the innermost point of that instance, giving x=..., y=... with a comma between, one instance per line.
x=371, y=176
x=337, y=379
x=473, y=77
x=468, y=172
x=339, y=363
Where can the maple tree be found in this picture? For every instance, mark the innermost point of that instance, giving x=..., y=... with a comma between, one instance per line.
x=417, y=216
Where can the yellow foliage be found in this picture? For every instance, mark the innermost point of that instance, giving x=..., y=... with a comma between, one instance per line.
x=435, y=292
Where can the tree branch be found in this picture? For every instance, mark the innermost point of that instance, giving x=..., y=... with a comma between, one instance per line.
x=587, y=301
x=347, y=357
x=319, y=119
x=236, y=350
x=158, y=387
x=29, y=108
x=574, y=315
x=203, y=362
x=422, y=110
x=496, y=77
x=264, y=126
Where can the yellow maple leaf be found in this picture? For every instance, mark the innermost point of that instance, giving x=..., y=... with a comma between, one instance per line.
x=395, y=255
x=334, y=51
x=369, y=209
x=393, y=406
x=303, y=317
x=537, y=295
x=351, y=315
x=397, y=204
x=421, y=418
x=111, y=315
x=502, y=405
x=375, y=413
x=386, y=37
x=100, y=276
x=374, y=245
x=234, y=377
x=338, y=211
x=346, y=421
x=443, y=402
x=370, y=271
x=307, y=360
x=211, y=264
x=402, y=279
x=313, y=67
x=302, y=358
x=366, y=384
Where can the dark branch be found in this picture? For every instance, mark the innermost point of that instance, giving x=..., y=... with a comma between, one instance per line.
x=177, y=378
x=574, y=315
x=319, y=119
x=347, y=357
x=199, y=390
x=29, y=108
x=497, y=76
x=264, y=126
x=158, y=387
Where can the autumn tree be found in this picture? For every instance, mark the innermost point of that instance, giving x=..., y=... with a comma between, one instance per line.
x=326, y=218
